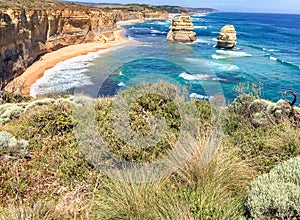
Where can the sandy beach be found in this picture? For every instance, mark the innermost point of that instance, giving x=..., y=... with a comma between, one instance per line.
x=49, y=60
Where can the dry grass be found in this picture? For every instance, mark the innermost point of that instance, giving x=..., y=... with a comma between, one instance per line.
x=192, y=192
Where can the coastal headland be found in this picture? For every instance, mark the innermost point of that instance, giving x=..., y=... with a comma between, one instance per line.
x=29, y=36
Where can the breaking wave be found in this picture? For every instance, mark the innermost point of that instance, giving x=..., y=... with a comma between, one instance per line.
x=67, y=74
x=191, y=77
x=228, y=54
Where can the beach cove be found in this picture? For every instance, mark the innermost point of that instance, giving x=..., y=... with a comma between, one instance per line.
x=49, y=60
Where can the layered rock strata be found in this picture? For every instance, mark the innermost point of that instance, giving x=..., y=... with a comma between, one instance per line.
x=25, y=35
x=227, y=38
x=182, y=29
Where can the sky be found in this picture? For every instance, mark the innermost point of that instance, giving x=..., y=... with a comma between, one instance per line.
x=268, y=6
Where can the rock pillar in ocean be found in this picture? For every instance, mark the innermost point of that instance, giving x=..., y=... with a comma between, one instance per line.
x=182, y=29
x=227, y=38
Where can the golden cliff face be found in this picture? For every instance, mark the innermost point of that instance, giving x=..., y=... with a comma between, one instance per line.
x=27, y=34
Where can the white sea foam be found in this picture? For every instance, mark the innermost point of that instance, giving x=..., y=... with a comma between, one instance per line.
x=121, y=84
x=158, y=32
x=200, y=27
x=229, y=67
x=167, y=22
x=273, y=58
x=67, y=74
x=131, y=38
x=233, y=53
x=66, y=80
x=198, y=96
x=201, y=14
x=223, y=66
x=225, y=54
x=270, y=50
x=121, y=73
x=190, y=77
x=202, y=41
x=199, y=41
x=219, y=79
x=138, y=28
x=217, y=57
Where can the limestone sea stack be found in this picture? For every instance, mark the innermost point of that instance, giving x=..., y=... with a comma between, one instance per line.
x=227, y=38
x=182, y=29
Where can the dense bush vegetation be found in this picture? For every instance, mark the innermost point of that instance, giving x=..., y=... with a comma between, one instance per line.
x=53, y=180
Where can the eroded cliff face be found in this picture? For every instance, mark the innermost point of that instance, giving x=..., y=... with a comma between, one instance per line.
x=25, y=35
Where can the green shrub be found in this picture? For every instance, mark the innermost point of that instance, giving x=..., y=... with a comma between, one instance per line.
x=266, y=147
x=142, y=110
x=276, y=195
x=11, y=111
x=140, y=113
x=47, y=120
x=55, y=160
x=9, y=97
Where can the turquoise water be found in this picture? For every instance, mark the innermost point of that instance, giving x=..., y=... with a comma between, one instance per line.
x=267, y=52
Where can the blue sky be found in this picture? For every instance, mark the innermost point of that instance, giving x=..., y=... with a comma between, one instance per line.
x=270, y=6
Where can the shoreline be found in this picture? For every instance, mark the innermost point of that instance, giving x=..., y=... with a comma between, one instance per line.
x=34, y=72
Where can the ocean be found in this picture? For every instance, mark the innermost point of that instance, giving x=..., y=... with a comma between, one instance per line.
x=267, y=53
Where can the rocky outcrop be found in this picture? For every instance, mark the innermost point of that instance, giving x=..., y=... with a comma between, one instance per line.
x=26, y=34
x=261, y=112
x=227, y=38
x=182, y=29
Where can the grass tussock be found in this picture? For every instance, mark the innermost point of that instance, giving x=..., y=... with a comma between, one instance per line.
x=192, y=192
x=39, y=211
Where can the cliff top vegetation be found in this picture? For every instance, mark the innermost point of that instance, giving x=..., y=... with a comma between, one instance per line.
x=143, y=7
x=54, y=4
x=46, y=174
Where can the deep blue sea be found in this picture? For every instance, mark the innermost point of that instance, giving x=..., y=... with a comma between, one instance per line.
x=268, y=52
